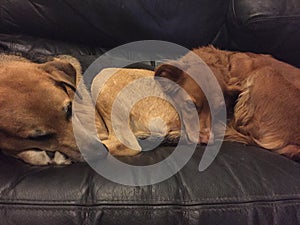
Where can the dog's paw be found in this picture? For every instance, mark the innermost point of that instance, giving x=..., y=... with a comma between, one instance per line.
x=60, y=159
x=33, y=157
x=42, y=158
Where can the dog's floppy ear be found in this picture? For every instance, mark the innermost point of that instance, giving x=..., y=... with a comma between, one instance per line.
x=61, y=71
x=170, y=72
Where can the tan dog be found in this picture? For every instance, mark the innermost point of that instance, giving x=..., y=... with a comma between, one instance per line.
x=36, y=110
x=141, y=110
x=268, y=110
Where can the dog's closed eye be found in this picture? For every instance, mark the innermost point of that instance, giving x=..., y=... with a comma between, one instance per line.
x=68, y=110
x=40, y=135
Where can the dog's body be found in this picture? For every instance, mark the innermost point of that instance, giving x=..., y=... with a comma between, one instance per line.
x=267, y=112
x=36, y=111
x=133, y=108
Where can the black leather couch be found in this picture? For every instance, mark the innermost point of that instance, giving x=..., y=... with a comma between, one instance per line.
x=244, y=184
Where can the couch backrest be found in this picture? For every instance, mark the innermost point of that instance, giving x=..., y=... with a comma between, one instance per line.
x=109, y=23
x=269, y=26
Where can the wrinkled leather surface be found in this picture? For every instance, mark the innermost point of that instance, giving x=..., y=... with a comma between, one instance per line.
x=110, y=23
x=270, y=26
x=244, y=185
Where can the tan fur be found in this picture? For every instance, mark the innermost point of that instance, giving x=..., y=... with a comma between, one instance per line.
x=148, y=116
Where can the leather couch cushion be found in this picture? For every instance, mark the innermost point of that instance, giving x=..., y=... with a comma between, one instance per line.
x=244, y=185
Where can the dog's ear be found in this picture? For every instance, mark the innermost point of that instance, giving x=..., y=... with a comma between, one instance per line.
x=61, y=71
x=170, y=72
x=241, y=64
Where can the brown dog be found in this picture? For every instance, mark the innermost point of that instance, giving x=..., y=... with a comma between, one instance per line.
x=141, y=111
x=268, y=109
x=218, y=62
x=267, y=112
x=36, y=109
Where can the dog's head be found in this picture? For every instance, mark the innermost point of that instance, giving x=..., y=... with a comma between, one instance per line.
x=197, y=99
x=36, y=106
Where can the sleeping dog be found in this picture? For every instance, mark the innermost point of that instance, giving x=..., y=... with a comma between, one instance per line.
x=134, y=108
x=36, y=111
x=267, y=111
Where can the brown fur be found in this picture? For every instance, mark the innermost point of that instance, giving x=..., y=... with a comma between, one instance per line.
x=35, y=109
x=267, y=112
x=219, y=63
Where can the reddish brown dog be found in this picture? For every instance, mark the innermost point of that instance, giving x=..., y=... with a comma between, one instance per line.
x=267, y=112
x=36, y=110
